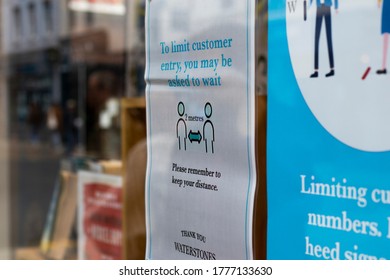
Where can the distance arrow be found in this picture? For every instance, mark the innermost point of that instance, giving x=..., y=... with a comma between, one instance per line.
x=195, y=136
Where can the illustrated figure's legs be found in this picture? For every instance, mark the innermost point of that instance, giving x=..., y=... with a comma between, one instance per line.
x=317, y=34
x=384, y=57
x=317, y=38
x=328, y=25
x=182, y=143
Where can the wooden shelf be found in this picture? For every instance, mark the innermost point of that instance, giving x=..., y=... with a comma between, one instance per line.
x=133, y=114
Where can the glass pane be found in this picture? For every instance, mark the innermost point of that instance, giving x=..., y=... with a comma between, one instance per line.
x=72, y=99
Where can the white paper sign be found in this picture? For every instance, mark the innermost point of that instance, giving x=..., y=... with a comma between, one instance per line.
x=200, y=108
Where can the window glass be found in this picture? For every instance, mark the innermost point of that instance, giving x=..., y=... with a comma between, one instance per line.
x=72, y=99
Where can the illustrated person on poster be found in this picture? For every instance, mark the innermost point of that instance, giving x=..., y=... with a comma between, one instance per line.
x=181, y=127
x=324, y=13
x=208, y=129
x=385, y=31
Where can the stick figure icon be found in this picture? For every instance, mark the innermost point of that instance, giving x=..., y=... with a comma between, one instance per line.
x=181, y=127
x=208, y=129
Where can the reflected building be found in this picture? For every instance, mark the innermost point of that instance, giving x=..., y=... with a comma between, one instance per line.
x=31, y=43
x=31, y=35
x=95, y=71
x=72, y=60
x=62, y=52
x=67, y=55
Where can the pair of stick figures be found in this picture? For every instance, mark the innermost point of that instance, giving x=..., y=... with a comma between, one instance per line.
x=208, y=129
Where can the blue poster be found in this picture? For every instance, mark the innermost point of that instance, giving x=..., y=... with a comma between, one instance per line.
x=329, y=130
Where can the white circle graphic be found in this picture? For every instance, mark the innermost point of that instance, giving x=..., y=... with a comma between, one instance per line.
x=353, y=105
